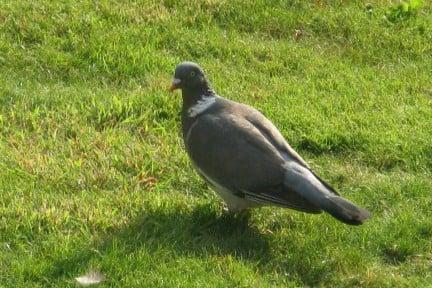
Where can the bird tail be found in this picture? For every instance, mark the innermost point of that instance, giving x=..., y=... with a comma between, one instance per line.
x=309, y=186
x=344, y=210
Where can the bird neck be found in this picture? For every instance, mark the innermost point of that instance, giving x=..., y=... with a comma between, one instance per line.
x=191, y=95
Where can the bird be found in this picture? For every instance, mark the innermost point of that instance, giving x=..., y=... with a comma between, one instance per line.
x=244, y=157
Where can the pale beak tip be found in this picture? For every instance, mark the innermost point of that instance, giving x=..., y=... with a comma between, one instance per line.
x=175, y=84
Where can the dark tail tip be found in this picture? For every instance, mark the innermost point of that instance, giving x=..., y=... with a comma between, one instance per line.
x=345, y=211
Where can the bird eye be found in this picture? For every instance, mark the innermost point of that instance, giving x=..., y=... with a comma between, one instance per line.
x=192, y=74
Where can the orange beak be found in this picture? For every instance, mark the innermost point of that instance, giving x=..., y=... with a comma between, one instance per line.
x=175, y=84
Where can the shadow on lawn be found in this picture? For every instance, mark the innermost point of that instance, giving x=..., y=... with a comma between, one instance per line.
x=199, y=233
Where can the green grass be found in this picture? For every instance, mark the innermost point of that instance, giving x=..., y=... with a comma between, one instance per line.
x=93, y=174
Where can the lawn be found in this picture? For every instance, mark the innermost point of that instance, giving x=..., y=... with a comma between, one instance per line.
x=94, y=177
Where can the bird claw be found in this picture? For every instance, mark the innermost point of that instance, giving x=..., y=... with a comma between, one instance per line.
x=239, y=214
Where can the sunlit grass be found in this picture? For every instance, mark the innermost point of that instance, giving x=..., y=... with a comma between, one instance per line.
x=93, y=175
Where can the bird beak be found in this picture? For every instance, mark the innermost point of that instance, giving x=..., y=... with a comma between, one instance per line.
x=175, y=84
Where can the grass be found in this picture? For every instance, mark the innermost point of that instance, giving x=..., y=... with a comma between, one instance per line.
x=93, y=175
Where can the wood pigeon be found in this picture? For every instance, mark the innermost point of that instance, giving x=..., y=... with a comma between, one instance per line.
x=245, y=158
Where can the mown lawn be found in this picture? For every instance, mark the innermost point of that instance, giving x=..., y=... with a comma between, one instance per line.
x=93, y=175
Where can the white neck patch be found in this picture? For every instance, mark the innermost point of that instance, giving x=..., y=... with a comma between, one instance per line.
x=203, y=104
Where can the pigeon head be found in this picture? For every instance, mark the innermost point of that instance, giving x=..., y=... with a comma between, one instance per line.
x=190, y=78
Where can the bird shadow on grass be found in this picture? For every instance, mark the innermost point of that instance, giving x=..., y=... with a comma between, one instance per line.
x=199, y=233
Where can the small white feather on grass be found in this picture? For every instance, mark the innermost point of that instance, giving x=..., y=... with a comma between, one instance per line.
x=91, y=278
